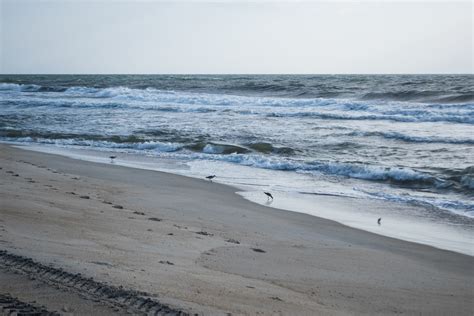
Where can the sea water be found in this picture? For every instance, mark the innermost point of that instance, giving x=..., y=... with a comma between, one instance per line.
x=404, y=141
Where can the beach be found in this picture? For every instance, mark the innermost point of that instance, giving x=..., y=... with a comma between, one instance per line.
x=198, y=247
x=350, y=149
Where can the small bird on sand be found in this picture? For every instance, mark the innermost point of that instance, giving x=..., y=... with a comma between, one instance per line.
x=269, y=195
x=112, y=158
x=211, y=177
x=379, y=221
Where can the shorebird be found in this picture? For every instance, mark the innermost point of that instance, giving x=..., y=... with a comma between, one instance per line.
x=211, y=177
x=269, y=195
x=112, y=158
x=379, y=221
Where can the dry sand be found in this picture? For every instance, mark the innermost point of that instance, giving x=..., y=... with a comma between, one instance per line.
x=199, y=247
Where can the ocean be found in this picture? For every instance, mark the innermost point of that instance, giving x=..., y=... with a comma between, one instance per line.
x=407, y=140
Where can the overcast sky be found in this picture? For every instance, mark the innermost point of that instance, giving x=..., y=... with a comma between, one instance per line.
x=74, y=36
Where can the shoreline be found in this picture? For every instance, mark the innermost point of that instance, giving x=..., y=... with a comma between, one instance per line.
x=200, y=246
x=401, y=221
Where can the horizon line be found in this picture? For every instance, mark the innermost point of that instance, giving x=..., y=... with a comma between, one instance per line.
x=231, y=74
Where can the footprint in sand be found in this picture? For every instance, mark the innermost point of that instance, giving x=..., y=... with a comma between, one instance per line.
x=233, y=241
x=155, y=219
x=204, y=233
x=100, y=263
x=166, y=262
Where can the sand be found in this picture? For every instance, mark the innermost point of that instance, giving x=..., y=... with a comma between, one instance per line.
x=198, y=247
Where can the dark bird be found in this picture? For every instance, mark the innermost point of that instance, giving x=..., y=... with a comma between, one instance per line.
x=270, y=196
x=379, y=221
x=112, y=158
x=211, y=177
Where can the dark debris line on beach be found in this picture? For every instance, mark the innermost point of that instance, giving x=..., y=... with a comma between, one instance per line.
x=138, y=302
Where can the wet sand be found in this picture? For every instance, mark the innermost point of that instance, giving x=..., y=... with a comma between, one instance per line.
x=198, y=247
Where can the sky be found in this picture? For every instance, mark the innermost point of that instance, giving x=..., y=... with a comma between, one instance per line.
x=261, y=36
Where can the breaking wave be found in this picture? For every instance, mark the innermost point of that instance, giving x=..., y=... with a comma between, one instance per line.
x=255, y=154
x=178, y=101
x=19, y=87
x=146, y=145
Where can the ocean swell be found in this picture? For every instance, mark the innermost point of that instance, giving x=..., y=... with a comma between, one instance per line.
x=414, y=139
x=465, y=118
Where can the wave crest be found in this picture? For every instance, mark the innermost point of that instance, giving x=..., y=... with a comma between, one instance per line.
x=415, y=139
x=19, y=87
